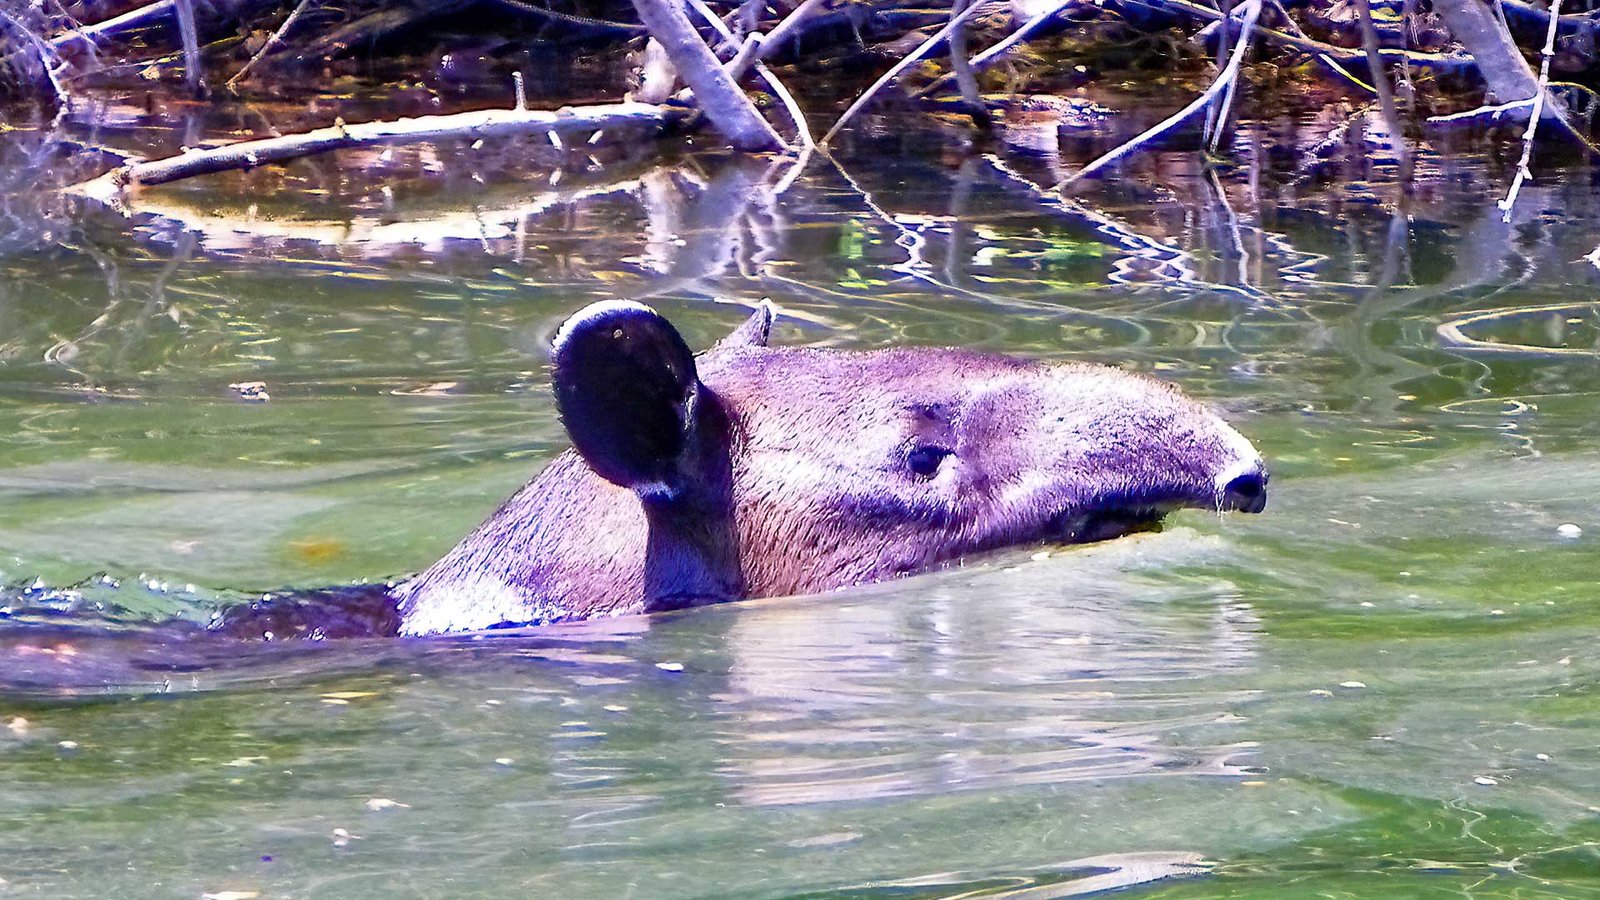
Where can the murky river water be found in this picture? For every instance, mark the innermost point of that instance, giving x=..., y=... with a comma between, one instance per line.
x=1385, y=686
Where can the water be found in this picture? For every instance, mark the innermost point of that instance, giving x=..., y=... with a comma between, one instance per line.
x=1382, y=687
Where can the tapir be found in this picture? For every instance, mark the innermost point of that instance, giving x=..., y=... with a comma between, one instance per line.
x=753, y=471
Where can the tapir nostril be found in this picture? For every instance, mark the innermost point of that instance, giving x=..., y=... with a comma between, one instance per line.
x=1246, y=492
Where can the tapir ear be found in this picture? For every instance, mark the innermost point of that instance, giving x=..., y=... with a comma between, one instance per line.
x=755, y=331
x=626, y=388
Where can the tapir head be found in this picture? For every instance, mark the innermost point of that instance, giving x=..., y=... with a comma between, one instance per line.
x=767, y=471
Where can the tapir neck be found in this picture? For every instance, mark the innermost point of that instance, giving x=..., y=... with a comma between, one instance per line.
x=692, y=548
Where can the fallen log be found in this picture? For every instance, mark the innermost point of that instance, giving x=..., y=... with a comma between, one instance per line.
x=583, y=121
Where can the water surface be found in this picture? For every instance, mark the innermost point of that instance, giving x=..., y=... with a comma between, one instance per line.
x=1382, y=687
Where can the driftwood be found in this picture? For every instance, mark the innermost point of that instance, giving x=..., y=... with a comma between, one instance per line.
x=729, y=110
x=748, y=55
x=580, y=121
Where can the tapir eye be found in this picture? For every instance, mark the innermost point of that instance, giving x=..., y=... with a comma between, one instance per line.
x=925, y=460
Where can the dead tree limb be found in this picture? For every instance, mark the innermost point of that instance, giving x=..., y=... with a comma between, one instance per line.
x=583, y=121
x=191, y=46
x=1381, y=84
x=1436, y=61
x=1004, y=46
x=899, y=67
x=748, y=55
x=961, y=67
x=1479, y=30
x=48, y=59
x=1540, y=97
x=86, y=39
x=271, y=43
x=1224, y=80
x=725, y=104
x=789, y=28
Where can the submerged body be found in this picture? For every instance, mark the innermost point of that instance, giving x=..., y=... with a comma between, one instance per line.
x=755, y=471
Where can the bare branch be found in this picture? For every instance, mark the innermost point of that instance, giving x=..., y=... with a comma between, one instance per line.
x=47, y=57
x=191, y=45
x=962, y=69
x=749, y=53
x=1252, y=9
x=1440, y=61
x=272, y=42
x=899, y=67
x=1004, y=46
x=1537, y=113
x=1380, y=83
x=724, y=103
x=582, y=120
x=86, y=38
x=790, y=26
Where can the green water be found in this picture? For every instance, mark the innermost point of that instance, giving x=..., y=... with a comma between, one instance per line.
x=1385, y=686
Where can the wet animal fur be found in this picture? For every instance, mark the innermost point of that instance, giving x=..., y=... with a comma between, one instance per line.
x=755, y=471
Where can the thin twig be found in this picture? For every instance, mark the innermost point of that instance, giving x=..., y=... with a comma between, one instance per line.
x=1321, y=57
x=587, y=23
x=48, y=60
x=273, y=41
x=1448, y=62
x=1230, y=72
x=1523, y=172
x=1002, y=47
x=899, y=67
x=1490, y=112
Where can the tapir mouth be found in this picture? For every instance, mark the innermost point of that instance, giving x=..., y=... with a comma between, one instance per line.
x=1106, y=521
x=1243, y=489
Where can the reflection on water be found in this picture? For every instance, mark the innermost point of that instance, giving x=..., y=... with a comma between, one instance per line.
x=1382, y=687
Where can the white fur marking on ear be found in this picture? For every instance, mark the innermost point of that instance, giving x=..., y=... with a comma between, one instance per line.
x=595, y=311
